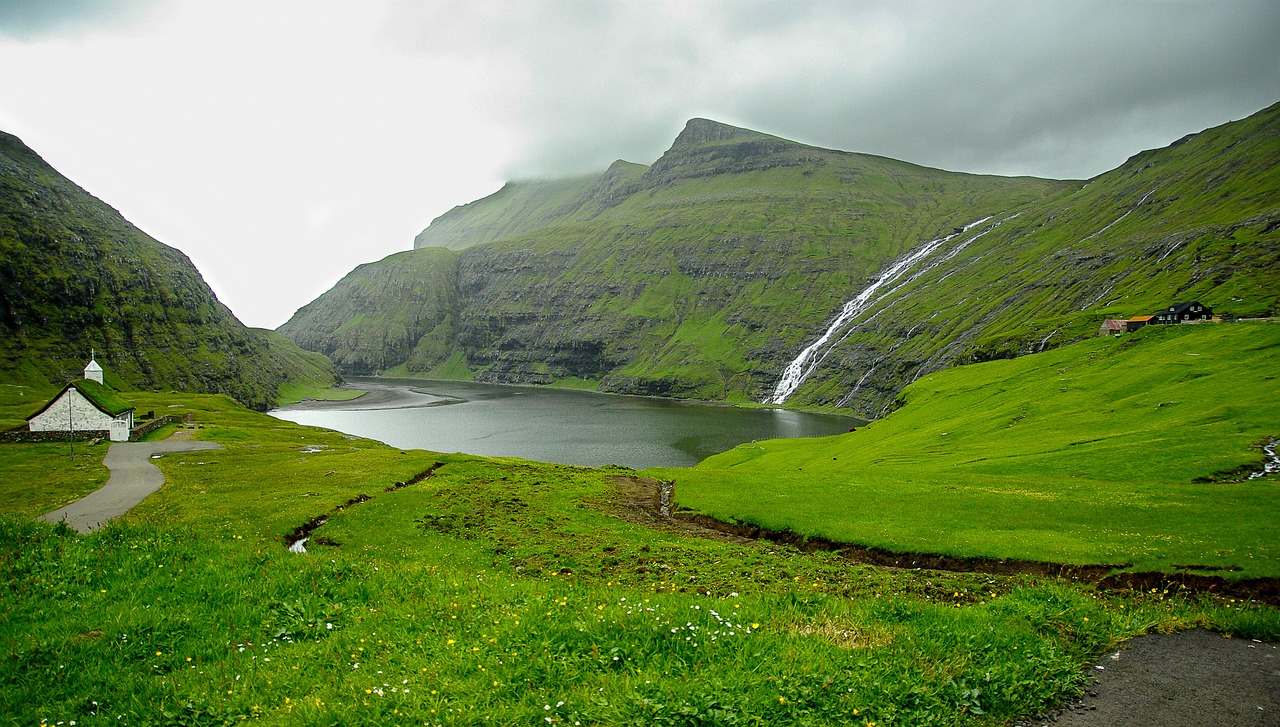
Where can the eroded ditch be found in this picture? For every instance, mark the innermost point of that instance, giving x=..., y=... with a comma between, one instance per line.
x=649, y=502
x=296, y=540
x=644, y=494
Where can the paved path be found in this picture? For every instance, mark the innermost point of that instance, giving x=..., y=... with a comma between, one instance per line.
x=133, y=477
x=1186, y=679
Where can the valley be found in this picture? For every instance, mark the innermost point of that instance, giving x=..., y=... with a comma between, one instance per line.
x=1028, y=494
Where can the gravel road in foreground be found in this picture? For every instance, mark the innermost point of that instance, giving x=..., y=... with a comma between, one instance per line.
x=1179, y=680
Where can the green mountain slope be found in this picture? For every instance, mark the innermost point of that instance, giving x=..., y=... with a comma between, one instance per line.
x=1196, y=220
x=707, y=273
x=397, y=311
x=672, y=279
x=75, y=276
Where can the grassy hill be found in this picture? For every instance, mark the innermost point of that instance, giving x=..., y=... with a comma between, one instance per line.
x=75, y=276
x=1113, y=450
x=707, y=272
x=447, y=589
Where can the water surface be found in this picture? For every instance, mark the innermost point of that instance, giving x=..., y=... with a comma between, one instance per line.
x=553, y=425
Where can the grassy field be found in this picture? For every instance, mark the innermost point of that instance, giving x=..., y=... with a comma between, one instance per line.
x=501, y=591
x=1101, y=452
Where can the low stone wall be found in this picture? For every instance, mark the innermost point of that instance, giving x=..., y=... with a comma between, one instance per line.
x=142, y=430
x=22, y=434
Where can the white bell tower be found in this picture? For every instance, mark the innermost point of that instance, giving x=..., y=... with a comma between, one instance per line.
x=92, y=371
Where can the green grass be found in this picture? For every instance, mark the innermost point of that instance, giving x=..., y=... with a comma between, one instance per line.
x=1091, y=453
x=17, y=402
x=40, y=478
x=503, y=591
x=512, y=592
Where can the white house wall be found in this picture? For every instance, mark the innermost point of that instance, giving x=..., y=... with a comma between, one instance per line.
x=84, y=416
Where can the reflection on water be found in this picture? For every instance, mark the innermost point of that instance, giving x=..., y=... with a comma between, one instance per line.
x=553, y=425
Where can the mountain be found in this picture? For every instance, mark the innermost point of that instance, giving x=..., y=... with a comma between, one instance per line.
x=708, y=272
x=76, y=276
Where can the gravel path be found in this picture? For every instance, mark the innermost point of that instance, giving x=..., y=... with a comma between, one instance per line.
x=1186, y=679
x=133, y=477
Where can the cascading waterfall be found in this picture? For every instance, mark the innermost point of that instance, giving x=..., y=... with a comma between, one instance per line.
x=803, y=365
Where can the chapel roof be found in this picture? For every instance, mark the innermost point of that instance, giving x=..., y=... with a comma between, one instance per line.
x=101, y=396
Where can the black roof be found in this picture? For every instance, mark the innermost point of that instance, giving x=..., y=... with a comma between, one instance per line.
x=1184, y=307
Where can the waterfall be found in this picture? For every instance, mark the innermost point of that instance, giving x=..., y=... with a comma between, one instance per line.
x=1121, y=217
x=799, y=369
x=1272, y=465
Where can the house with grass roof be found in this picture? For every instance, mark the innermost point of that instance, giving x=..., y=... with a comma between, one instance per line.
x=86, y=406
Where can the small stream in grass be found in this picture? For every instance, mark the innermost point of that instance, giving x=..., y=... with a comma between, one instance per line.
x=553, y=425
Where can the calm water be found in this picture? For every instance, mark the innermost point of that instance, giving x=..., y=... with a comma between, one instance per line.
x=553, y=425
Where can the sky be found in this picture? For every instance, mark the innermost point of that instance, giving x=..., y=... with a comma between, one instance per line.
x=281, y=143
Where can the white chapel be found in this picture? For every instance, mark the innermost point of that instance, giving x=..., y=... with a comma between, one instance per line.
x=86, y=405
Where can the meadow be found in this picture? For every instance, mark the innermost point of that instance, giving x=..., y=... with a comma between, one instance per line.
x=1129, y=451
x=502, y=591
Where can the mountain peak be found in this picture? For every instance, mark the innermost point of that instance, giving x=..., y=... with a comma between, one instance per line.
x=703, y=131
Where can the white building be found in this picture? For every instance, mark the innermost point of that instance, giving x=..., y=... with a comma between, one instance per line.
x=86, y=405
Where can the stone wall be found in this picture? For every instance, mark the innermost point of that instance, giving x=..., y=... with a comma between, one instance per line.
x=143, y=430
x=22, y=434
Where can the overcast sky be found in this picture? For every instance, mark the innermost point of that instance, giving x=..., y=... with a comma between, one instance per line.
x=281, y=143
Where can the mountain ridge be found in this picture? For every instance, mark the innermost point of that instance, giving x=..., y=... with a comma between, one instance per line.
x=705, y=273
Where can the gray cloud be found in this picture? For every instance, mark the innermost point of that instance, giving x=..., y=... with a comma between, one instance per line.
x=1066, y=90
x=309, y=136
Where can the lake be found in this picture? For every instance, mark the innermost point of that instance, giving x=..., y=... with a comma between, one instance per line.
x=553, y=425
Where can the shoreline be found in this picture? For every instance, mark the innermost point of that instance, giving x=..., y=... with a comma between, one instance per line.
x=376, y=396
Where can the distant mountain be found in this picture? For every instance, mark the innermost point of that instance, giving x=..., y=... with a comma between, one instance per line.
x=75, y=276
x=708, y=272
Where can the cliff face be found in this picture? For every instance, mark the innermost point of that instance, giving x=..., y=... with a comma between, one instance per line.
x=75, y=275
x=708, y=272
x=399, y=311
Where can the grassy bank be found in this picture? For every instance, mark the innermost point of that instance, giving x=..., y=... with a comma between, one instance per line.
x=499, y=591
x=1115, y=450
